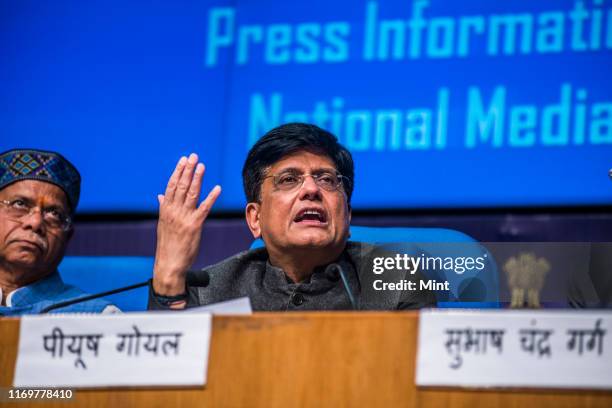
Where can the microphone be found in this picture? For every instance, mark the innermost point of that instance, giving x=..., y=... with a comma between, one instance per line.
x=200, y=278
x=193, y=278
x=332, y=271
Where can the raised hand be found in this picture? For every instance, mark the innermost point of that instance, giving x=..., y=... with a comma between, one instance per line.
x=180, y=224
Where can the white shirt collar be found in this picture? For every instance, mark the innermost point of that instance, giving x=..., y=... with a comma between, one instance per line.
x=9, y=297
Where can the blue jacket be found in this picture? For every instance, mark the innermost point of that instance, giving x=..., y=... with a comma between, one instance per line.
x=33, y=298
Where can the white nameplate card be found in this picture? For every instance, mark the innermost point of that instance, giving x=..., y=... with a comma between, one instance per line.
x=240, y=306
x=136, y=349
x=546, y=349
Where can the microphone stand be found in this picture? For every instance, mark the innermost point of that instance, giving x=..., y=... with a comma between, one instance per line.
x=90, y=297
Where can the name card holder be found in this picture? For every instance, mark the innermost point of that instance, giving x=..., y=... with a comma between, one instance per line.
x=136, y=349
x=544, y=349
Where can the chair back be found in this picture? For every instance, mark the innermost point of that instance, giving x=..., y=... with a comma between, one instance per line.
x=95, y=274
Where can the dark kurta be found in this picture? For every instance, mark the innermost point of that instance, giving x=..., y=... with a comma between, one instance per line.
x=250, y=274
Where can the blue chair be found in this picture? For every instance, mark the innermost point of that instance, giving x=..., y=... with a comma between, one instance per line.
x=95, y=274
x=471, y=289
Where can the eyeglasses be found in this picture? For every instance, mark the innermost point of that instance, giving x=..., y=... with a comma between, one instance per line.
x=52, y=217
x=290, y=181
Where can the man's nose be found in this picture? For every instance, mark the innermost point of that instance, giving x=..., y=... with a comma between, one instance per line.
x=310, y=190
x=34, y=221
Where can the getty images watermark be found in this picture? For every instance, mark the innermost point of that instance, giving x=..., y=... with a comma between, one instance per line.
x=408, y=264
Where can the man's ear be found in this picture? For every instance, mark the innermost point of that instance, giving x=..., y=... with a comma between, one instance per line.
x=251, y=214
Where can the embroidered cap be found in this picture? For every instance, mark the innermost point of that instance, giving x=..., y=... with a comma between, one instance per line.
x=30, y=164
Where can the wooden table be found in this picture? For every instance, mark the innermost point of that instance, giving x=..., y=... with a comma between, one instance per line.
x=318, y=359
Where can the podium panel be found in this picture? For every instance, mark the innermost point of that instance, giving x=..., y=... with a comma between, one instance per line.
x=330, y=359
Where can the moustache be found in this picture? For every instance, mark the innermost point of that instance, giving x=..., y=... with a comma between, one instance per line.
x=36, y=240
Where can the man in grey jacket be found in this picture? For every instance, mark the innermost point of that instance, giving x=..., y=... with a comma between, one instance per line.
x=298, y=182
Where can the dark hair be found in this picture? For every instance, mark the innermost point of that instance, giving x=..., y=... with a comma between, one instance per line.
x=287, y=139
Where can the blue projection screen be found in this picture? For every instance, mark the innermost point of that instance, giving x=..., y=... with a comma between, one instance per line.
x=443, y=104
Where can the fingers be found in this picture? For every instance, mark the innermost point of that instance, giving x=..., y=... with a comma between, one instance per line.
x=174, y=179
x=196, y=185
x=207, y=204
x=186, y=179
x=185, y=186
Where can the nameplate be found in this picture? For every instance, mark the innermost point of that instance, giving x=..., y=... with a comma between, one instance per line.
x=544, y=349
x=235, y=307
x=136, y=349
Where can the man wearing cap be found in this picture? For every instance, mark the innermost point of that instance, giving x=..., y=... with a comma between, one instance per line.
x=39, y=193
